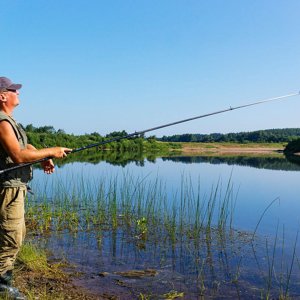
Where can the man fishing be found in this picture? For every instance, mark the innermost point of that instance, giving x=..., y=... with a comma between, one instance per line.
x=14, y=149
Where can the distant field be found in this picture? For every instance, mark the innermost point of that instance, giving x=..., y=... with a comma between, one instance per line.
x=232, y=147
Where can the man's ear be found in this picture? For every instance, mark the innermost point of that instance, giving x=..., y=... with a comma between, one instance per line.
x=2, y=97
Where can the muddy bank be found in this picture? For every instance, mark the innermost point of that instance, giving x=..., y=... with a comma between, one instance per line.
x=66, y=283
x=60, y=281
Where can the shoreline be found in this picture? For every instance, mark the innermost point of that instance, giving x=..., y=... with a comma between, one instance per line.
x=230, y=148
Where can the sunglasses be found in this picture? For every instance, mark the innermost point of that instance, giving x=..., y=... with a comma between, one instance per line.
x=11, y=90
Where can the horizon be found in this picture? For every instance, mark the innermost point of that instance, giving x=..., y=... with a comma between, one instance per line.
x=87, y=133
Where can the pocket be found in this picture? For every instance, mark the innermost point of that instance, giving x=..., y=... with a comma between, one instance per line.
x=15, y=204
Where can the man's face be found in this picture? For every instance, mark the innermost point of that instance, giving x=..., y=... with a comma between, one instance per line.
x=11, y=97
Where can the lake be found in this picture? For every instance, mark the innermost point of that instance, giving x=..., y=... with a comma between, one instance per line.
x=261, y=195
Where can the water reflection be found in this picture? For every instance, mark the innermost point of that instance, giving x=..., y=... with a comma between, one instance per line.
x=271, y=163
x=112, y=157
x=278, y=162
x=294, y=159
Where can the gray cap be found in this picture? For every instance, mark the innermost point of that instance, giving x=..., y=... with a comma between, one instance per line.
x=7, y=84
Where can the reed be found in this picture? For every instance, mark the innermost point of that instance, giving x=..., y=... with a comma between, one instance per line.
x=289, y=272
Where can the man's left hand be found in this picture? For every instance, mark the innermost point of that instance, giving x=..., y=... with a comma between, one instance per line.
x=48, y=166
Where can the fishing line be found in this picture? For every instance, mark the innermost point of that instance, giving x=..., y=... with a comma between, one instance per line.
x=139, y=133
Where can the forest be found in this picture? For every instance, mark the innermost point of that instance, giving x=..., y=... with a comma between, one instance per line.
x=47, y=136
x=259, y=136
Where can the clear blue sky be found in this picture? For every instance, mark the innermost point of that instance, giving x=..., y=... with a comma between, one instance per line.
x=92, y=65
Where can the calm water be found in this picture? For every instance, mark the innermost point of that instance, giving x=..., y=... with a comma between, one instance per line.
x=256, y=184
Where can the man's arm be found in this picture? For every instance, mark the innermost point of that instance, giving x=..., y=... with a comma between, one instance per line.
x=11, y=145
x=47, y=165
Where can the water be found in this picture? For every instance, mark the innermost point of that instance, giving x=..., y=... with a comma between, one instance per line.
x=256, y=188
x=267, y=197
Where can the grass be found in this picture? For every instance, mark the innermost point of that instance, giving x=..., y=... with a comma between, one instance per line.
x=32, y=273
x=32, y=258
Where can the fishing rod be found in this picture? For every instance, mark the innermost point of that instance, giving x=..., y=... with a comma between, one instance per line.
x=139, y=133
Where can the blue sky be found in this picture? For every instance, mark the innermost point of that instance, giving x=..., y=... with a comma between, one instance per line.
x=105, y=66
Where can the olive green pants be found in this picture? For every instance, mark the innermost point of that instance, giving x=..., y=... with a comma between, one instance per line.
x=12, y=225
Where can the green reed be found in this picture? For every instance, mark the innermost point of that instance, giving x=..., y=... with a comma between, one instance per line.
x=78, y=204
x=278, y=269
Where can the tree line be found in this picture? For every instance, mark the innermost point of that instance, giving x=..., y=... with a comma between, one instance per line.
x=259, y=136
x=47, y=136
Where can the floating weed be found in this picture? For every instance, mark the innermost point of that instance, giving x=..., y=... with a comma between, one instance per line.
x=172, y=295
x=141, y=228
x=143, y=296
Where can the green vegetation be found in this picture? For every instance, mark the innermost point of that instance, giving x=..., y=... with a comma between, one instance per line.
x=37, y=278
x=116, y=202
x=32, y=258
x=260, y=136
x=47, y=136
x=292, y=147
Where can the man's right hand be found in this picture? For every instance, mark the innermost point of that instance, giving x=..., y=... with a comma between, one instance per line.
x=59, y=152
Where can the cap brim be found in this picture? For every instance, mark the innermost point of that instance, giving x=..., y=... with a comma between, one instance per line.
x=15, y=86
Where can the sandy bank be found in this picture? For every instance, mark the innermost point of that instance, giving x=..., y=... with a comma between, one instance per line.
x=200, y=148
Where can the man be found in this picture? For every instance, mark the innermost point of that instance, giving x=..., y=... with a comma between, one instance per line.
x=14, y=149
